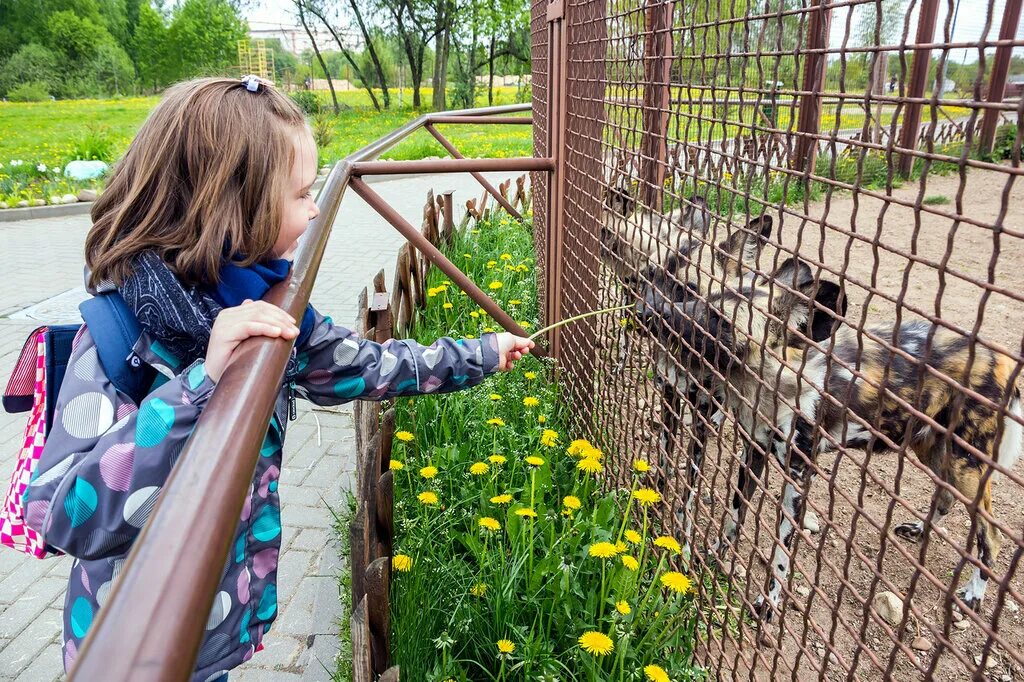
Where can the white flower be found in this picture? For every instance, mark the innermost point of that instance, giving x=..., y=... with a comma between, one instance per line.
x=56, y=170
x=16, y=162
x=41, y=168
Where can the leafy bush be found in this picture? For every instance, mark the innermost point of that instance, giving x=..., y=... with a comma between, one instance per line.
x=96, y=144
x=1006, y=136
x=33, y=91
x=32, y=63
x=512, y=560
x=322, y=125
x=307, y=101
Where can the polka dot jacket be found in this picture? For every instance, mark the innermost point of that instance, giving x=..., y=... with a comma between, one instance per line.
x=106, y=460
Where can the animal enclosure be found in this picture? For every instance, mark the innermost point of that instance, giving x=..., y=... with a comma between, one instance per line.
x=813, y=209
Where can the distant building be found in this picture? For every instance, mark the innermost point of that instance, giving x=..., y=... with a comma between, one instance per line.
x=294, y=38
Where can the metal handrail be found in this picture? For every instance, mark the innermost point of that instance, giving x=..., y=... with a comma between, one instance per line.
x=153, y=622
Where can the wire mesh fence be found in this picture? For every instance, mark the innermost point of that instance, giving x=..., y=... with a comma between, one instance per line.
x=812, y=207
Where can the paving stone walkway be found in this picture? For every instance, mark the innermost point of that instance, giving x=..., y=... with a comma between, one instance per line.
x=41, y=262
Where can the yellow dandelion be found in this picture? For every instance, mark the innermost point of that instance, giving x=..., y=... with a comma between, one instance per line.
x=646, y=496
x=590, y=466
x=675, y=581
x=630, y=562
x=474, y=314
x=505, y=646
x=549, y=438
x=447, y=305
x=491, y=263
x=530, y=401
x=395, y=465
x=578, y=446
x=592, y=453
x=603, y=550
x=497, y=459
x=494, y=286
x=596, y=643
x=401, y=563
x=505, y=256
x=516, y=301
x=478, y=590
x=467, y=255
x=479, y=468
x=620, y=547
x=623, y=607
x=495, y=397
x=529, y=376
x=669, y=543
x=501, y=499
x=641, y=466
x=535, y=461
x=487, y=329
x=404, y=436
x=526, y=512
x=489, y=523
x=571, y=502
x=655, y=673
x=495, y=421
x=632, y=537
x=541, y=419
x=427, y=497
x=428, y=472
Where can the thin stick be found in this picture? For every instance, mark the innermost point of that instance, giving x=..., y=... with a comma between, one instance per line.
x=558, y=324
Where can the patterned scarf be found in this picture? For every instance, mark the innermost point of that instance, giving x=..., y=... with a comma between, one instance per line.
x=181, y=318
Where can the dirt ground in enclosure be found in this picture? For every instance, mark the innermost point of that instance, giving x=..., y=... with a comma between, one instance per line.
x=824, y=553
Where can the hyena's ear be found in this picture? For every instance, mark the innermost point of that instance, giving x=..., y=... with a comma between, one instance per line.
x=745, y=244
x=620, y=201
x=696, y=218
x=812, y=308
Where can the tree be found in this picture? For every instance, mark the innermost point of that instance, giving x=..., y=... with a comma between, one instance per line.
x=312, y=39
x=202, y=38
x=150, y=48
x=32, y=63
x=319, y=11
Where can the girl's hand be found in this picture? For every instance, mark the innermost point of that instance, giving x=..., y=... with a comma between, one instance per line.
x=234, y=325
x=511, y=348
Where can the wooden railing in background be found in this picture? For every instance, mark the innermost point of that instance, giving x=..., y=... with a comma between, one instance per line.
x=371, y=531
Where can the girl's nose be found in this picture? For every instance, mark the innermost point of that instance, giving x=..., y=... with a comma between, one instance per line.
x=314, y=212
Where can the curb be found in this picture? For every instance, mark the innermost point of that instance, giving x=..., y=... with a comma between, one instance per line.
x=11, y=215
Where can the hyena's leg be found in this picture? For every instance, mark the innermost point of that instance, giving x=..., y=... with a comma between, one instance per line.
x=938, y=463
x=752, y=458
x=701, y=410
x=794, y=502
x=966, y=473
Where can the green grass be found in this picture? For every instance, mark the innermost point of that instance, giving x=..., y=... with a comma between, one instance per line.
x=936, y=200
x=543, y=587
x=55, y=132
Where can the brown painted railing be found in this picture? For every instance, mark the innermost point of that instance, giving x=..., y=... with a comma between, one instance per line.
x=154, y=620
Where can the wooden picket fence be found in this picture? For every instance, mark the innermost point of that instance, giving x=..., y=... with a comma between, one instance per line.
x=371, y=531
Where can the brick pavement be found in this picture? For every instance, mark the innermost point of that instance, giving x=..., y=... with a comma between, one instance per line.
x=41, y=259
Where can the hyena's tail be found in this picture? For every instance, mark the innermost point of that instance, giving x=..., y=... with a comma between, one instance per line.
x=1013, y=433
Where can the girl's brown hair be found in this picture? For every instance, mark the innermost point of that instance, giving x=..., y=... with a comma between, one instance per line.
x=208, y=168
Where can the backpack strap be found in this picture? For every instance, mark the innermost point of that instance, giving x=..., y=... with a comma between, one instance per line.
x=115, y=330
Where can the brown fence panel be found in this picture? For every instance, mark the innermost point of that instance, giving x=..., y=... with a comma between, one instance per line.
x=824, y=352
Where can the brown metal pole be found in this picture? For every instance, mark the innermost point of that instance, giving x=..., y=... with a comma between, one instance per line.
x=500, y=120
x=424, y=246
x=916, y=86
x=556, y=124
x=476, y=174
x=997, y=84
x=815, y=63
x=526, y=163
x=657, y=65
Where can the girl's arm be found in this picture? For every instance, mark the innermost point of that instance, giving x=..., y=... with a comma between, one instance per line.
x=336, y=365
x=105, y=460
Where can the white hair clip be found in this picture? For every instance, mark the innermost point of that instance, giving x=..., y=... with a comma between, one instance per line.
x=252, y=83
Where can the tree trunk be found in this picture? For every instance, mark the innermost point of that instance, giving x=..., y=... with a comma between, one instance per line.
x=348, y=57
x=490, y=75
x=319, y=57
x=441, y=44
x=417, y=76
x=373, y=54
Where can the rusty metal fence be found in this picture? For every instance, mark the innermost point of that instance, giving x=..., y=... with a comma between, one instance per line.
x=812, y=208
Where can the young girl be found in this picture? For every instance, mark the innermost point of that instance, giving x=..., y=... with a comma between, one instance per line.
x=196, y=224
